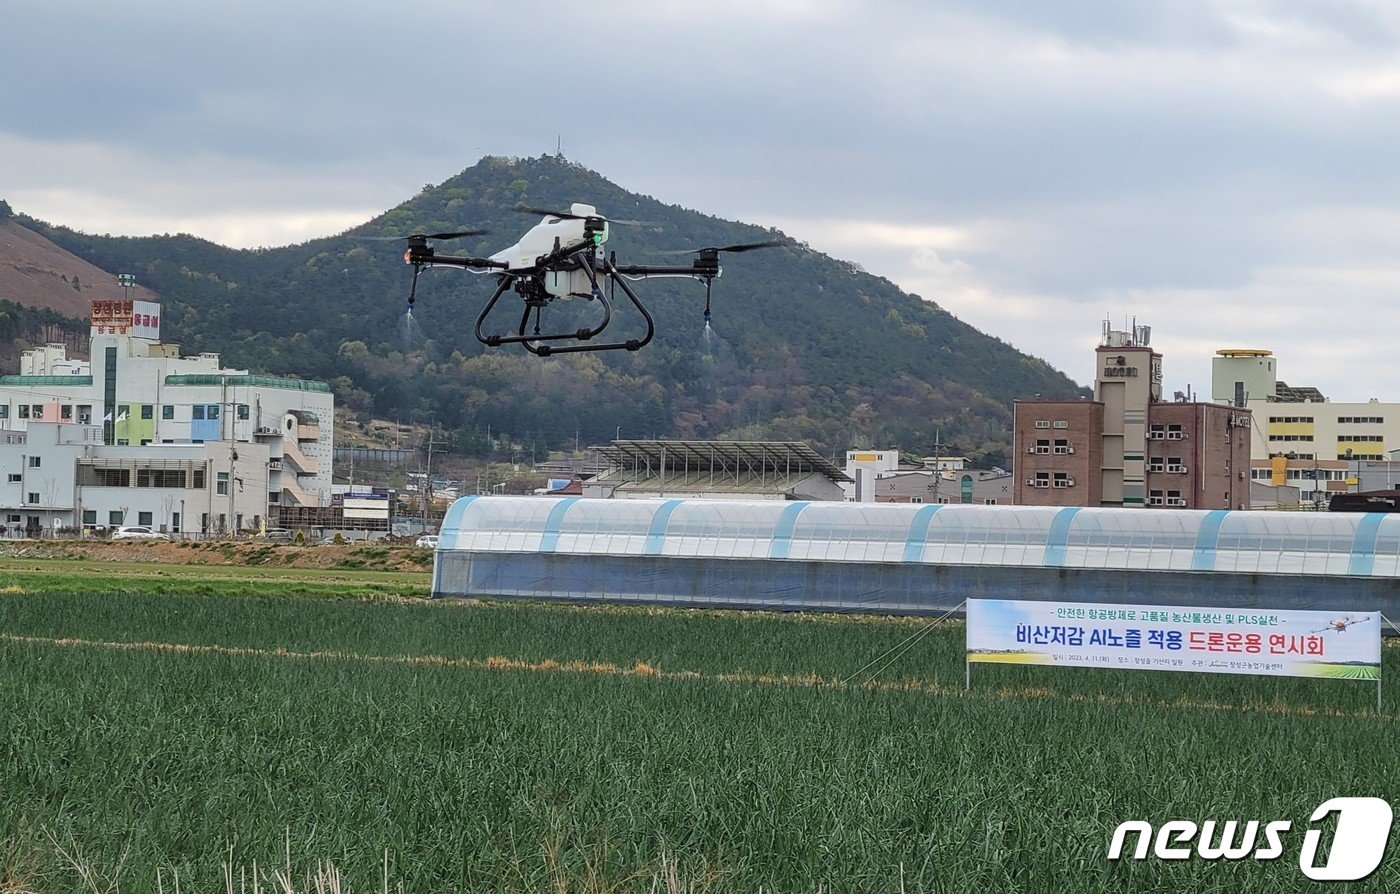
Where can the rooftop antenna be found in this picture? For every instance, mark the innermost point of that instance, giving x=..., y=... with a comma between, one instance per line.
x=558, y=145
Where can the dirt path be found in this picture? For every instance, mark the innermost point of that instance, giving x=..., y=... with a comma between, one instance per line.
x=249, y=553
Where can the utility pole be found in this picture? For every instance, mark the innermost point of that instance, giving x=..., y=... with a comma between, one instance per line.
x=426, y=495
x=937, y=462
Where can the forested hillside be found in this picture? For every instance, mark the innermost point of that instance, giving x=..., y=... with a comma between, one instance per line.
x=804, y=346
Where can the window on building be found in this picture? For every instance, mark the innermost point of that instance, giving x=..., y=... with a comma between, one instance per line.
x=1042, y=445
x=32, y=497
x=24, y=411
x=242, y=411
x=4, y=411
x=115, y=517
x=211, y=411
x=37, y=411
x=1061, y=445
x=1042, y=479
x=198, y=479
x=221, y=485
x=1061, y=423
x=84, y=414
x=34, y=461
x=144, y=518
x=66, y=412
x=123, y=442
x=197, y=412
x=143, y=477
x=1062, y=479
x=167, y=411
x=89, y=516
x=167, y=477
x=148, y=411
x=16, y=477
x=12, y=518
x=1039, y=423
x=989, y=502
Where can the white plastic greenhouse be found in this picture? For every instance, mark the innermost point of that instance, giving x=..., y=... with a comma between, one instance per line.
x=909, y=557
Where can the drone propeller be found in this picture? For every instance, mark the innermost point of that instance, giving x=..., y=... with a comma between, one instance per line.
x=741, y=247
x=569, y=215
x=425, y=236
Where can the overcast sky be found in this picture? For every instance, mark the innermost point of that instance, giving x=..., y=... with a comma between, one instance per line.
x=1224, y=171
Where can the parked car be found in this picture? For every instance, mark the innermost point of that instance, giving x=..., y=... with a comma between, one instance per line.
x=138, y=532
x=427, y=541
x=277, y=535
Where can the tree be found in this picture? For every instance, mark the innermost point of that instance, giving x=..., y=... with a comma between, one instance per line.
x=6, y=212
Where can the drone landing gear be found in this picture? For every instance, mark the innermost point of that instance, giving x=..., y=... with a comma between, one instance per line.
x=536, y=297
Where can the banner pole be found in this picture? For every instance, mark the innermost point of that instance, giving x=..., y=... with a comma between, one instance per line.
x=967, y=657
x=1380, y=671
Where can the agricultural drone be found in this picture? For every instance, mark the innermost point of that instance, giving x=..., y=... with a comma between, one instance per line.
x=1340, y=626
x=559, y=259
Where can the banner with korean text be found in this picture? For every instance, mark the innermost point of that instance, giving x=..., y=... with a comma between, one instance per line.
x=1338, y=645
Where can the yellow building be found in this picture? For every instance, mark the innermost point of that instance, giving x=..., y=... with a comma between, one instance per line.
x=1300, y=423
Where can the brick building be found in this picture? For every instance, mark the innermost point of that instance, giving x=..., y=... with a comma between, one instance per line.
x=1059, y=453
x=1128, y=447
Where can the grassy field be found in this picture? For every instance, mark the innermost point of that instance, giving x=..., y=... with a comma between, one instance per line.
x=158, y=725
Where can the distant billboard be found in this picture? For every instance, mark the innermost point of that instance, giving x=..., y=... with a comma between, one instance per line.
x=140, y=319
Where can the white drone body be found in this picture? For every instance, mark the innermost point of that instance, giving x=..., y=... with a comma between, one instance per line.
x=549, y=234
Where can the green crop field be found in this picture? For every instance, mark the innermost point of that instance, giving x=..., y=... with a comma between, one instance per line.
x=154, y=729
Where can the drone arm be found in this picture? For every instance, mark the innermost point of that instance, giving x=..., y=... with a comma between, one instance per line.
x=562, y=253
x=647, y=270
x=464, y=263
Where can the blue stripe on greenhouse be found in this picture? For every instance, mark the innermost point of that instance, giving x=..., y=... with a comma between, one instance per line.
x=1363, y=547
x=1207, y=538
x=918, y=533
x=1058, y=538
x=782, y=531
x=656, y=534
x=452, y=522
x=549, y=541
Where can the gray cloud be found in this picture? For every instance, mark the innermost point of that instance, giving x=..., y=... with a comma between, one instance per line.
x=1030, y=165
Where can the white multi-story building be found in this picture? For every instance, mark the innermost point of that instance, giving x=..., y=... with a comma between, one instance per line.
x=138, y=393
x=58, y=476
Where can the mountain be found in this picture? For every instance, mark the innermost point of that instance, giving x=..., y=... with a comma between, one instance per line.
x=803, y=346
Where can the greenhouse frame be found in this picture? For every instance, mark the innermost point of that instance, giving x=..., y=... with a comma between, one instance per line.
x=911, y=558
